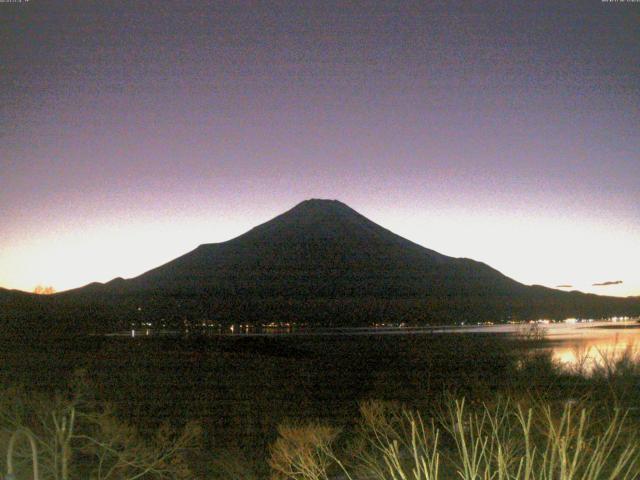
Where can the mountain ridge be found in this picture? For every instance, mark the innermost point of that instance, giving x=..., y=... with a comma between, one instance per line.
x=321, y=236
x=319, y=263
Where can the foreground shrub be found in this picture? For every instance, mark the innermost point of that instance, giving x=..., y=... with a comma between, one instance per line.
x=511, y=442
x=78, y=438
x=303, y=452
x=505, y=440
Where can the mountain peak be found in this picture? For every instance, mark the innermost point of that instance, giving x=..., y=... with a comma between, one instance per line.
x=313, y=213
x=316, y=217
x=322, y=204
x=321, y=201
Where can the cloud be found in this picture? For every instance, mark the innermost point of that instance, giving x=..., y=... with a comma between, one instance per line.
x=610, y=282
x=564, y=286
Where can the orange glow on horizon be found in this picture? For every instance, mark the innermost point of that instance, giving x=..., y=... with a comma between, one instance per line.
x=548, y=251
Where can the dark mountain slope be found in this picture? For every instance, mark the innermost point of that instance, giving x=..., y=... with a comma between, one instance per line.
x=321, y=248
x=319, y=263
x=323, y=262
x=6, y=295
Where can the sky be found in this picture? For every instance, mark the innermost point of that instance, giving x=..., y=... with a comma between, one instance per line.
x=506, y=132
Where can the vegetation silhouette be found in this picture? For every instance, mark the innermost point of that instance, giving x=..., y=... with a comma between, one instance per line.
x=241, y=389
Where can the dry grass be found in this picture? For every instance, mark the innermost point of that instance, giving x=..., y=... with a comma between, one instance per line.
x=504, y=441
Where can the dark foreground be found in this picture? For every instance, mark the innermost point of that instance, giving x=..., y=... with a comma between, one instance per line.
x=240, y=389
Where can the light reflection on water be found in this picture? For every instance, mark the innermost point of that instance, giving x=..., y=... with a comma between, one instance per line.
x=583, y=346
x=584, y=349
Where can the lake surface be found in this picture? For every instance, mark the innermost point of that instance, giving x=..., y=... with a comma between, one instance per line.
x=573, y=344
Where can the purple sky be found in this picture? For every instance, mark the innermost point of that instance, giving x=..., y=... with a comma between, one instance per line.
x=507, y=132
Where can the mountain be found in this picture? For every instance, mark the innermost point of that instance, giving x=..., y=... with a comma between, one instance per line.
x=9, y=297
x=320, y=263
x=321, y=248
x=323, y=263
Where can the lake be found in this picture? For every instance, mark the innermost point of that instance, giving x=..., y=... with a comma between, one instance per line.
x=241, y=386
x=584, y=344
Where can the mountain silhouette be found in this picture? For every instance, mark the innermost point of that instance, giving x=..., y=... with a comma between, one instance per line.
x=321, y=248
x=319, y=263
